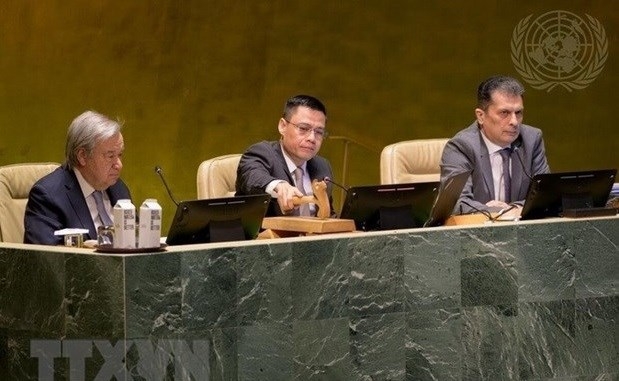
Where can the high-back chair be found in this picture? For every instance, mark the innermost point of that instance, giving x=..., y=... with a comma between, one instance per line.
x=16, y=180
x=217, y=176
x=411, y=161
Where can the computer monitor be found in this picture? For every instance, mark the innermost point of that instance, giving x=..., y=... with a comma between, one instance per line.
x=218, y=219
x=556, y=194
x=393, y=206
x=448, y=195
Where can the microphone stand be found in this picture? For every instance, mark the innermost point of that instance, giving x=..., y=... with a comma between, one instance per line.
x=347, y=142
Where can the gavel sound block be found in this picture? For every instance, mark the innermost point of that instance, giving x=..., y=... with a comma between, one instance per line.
x=322, y=223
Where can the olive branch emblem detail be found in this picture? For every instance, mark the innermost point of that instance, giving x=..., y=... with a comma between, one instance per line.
x=559, y=49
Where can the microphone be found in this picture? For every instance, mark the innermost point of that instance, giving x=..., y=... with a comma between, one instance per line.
x=516, y=149
x=328, y=179
x=160, y=173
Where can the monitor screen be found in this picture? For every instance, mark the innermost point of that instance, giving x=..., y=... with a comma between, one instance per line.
x=448, y=195
x=392, y=206
x=218, y=219
x=551, y=193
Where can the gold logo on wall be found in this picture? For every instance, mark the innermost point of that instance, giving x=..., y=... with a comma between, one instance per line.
x=559, y=48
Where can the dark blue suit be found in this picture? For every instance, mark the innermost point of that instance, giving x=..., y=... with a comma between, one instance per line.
x=264, y=162
x=56, y=202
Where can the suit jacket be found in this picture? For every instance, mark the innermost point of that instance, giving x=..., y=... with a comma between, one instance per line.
x=56, y=202
x=467, y=151
x=264, y=162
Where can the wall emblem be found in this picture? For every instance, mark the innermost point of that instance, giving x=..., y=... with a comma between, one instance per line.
x=559, y=48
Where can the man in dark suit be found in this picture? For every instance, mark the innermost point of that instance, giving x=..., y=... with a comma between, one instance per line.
x=272, y=167
x=82, y=192
x=501, y=152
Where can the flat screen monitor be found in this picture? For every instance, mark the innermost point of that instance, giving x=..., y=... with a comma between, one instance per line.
x=552, y=194
x=393, y=206
x=448, y=195
x=218, y=219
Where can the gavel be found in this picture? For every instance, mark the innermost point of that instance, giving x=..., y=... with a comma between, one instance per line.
x=319, y=198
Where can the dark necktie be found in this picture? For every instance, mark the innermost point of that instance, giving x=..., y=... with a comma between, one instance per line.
x=507, y=179
x=304, y=209
x=105, y=218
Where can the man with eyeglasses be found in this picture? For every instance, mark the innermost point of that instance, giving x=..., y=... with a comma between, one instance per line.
x=285, y=168
x=81, y=192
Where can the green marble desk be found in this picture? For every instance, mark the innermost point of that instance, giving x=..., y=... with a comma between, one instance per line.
x=510, y=301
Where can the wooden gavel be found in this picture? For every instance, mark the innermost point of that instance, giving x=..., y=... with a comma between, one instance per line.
x=319, y=198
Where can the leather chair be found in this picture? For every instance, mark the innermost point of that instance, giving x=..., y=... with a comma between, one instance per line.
x=16, y=180
x=411, y=161
x=217, y=176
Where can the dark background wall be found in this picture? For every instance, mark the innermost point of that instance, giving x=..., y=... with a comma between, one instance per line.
x=197, y=79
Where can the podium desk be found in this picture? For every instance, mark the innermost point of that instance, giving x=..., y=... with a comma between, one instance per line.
x=511, y=300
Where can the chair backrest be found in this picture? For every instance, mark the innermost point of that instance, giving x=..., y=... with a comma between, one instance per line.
x=16, y=180
x=411, y=161
x=217, y=176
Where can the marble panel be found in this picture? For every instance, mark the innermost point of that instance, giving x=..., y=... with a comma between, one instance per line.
x=433, y=349
x=32, y=291
x=322, y=350
x=265, y=352
x=17, y=362
x=320, y=279
x=95, y=297
x=377, y=345
x=224, y=354
x=153, y=287
x=546, y=263
x=597, y=335
x=432, y=270
x=546, y=339
x=489, y=278
x=376, y=284
x=209, y=289
x=489, y=344
x=596, y=249
x=264, y=284
x=498, y=302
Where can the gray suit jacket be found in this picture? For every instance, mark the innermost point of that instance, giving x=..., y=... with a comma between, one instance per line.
x=56, y=202
x=466, y=151
x=264, y=162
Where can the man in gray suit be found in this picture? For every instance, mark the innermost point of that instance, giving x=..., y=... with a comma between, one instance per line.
x=501, y=153
x=285, y=168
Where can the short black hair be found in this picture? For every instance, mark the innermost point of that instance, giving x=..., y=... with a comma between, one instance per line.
x=499, y=83
x=303, y=100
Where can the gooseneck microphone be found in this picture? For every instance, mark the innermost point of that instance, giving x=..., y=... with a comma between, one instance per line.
x=516, y=150
x=160, y=173
x=328, y=179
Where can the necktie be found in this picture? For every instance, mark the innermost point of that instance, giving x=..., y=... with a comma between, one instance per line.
x=105, y=218
x=507, y=179
x=304, y=209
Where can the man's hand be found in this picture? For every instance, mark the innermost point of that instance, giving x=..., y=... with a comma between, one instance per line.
x=498, y=204
x=285, y=194
x=511, y=214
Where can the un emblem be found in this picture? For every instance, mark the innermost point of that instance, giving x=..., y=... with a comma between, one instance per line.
x=559, y=49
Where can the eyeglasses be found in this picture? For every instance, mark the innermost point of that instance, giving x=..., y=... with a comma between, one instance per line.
x=306, y=129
